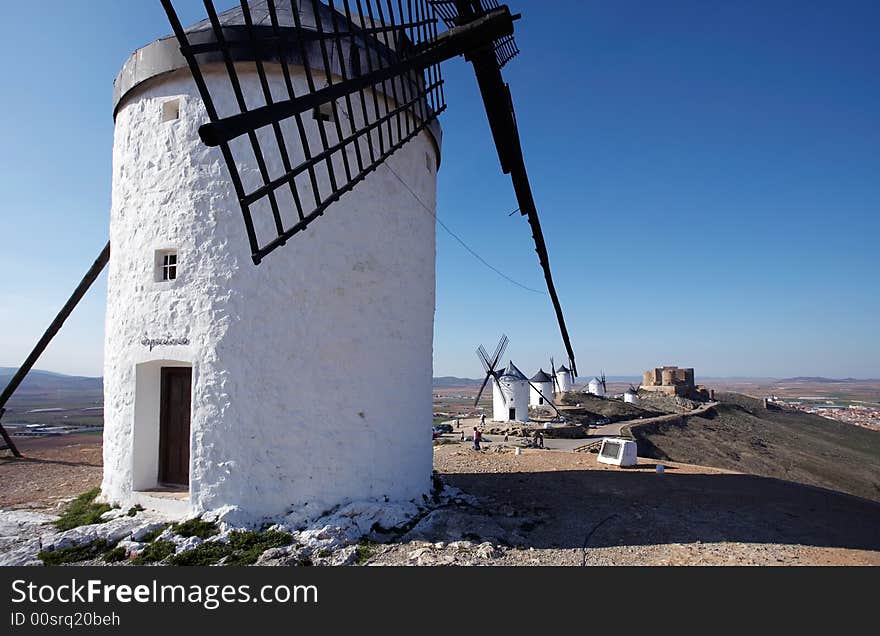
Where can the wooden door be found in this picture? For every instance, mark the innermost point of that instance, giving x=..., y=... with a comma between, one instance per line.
x=174, y=416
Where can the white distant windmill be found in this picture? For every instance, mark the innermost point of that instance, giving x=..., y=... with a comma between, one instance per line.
x=631, y=395
x=597, y=386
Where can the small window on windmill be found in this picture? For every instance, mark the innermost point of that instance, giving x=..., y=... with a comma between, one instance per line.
x=166, y=265
x=170, y=110
x=428, y=162
x=323, y=113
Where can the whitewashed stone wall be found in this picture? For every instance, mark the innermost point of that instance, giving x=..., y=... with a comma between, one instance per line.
x=312, y=371
x=546, y=389
x=564, y=381
x=515, y=396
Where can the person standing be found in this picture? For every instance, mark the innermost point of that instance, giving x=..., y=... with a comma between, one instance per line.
x=482, y=419
x=477, y=437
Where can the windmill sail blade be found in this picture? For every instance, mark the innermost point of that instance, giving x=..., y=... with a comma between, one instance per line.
x=484, y=358
x=495, y=377
x=372, y=84
x=502, y=121
x=500, y=349
x=449, y=11
x=496, y=98
x=482, y=388
x=546, y=399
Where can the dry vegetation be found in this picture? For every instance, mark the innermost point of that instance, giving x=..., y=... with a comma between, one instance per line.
x=740, y=434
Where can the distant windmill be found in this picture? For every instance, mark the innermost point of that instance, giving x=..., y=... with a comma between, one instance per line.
x=632, y=394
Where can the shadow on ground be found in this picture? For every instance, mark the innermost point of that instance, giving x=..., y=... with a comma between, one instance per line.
x=568, y=509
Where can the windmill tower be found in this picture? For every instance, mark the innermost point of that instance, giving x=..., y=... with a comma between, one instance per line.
x=631, y=395
x=317, y=126
x=510, y=396
x=564, y=379
x=597, y=386
x=211, y=363
x=541, y=389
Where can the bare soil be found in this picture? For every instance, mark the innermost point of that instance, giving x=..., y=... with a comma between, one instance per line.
x=567, y=509
x=53, y=469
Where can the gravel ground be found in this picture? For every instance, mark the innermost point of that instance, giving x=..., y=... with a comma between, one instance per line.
x=547, y=507
x=561, y=508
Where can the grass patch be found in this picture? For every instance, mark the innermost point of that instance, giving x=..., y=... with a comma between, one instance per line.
x=115, y=555
x=82, y=511
x=74, y=553
x=324, y=553
x=243, y=548
x=134, y=510
x=196, y=528
x=156, y=551
x=150, y=536
x=365, y=551
x=204, y=554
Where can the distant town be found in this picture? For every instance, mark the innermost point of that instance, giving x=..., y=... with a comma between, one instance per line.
x=865, y=415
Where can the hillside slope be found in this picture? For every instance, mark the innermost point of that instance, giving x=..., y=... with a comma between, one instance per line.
x=38, y=381
x=739, y=434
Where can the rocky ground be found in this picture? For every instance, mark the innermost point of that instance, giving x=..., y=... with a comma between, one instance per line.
x=491, y=507
x=558, y=508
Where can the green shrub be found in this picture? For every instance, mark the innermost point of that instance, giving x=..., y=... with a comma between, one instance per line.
x=156, y=551
x=207, y=553
x=134, y=510
x=243, y=548
x=82, y=511
x=196, y=528
x=150, y=536
x=115, y=555
x=364, y=551
x=74, y=553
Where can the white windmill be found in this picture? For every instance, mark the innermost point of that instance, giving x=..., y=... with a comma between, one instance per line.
x=631, y=395
x=541, y=389
x=317, y=127
x=597, y=386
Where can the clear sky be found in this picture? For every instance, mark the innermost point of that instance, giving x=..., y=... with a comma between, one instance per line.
x=707, y=173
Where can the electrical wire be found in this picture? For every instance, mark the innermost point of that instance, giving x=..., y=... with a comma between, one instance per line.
x=387, y=164
x=458, y=238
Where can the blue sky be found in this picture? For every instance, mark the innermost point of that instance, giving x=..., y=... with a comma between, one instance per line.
x=707, y=174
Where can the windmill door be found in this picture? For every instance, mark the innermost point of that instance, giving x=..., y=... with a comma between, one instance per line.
x=174, y=416
x=511, y=414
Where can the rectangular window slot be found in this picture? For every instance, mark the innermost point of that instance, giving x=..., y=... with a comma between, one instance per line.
x=170, y=110
x=166, y=265
x=428, y=162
